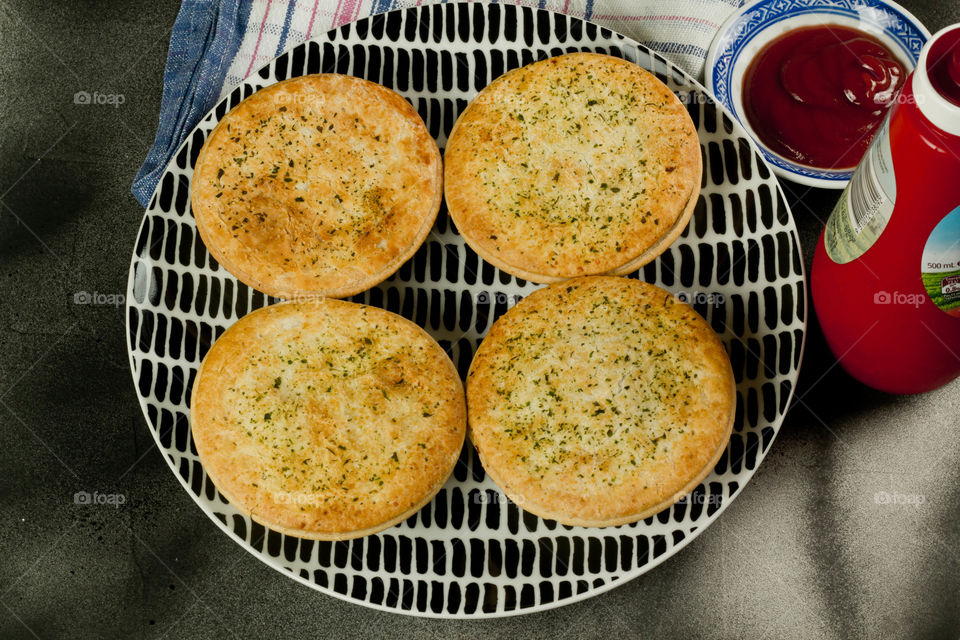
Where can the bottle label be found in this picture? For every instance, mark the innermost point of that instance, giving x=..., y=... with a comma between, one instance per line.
x=865, y=207
x=940, y=268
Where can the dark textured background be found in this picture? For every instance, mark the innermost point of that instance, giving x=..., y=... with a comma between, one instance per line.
x=804, y=552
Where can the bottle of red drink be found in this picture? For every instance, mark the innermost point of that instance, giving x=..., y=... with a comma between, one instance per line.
x=886, y=274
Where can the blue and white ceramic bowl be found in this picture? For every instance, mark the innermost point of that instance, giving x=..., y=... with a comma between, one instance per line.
x=748, y=30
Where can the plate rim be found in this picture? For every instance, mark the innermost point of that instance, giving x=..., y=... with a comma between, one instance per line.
x=610, y=584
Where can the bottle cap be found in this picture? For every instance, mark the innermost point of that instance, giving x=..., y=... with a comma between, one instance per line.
x=936, y=80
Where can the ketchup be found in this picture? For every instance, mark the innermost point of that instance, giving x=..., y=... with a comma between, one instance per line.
x=815, y=95
x=886, y=272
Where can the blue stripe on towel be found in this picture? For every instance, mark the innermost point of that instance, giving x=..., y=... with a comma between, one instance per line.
x=282, y=45
x=205, y=38
x=379, y=6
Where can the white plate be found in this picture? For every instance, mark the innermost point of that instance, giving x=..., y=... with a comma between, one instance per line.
x=472, y=553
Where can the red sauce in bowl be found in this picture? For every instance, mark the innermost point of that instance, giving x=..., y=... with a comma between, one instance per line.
x=815, y=95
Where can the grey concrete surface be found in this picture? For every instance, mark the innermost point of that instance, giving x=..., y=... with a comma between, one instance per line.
x=804, y=552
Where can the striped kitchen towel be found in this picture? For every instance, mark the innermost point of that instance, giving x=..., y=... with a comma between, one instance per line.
x=215, y=44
